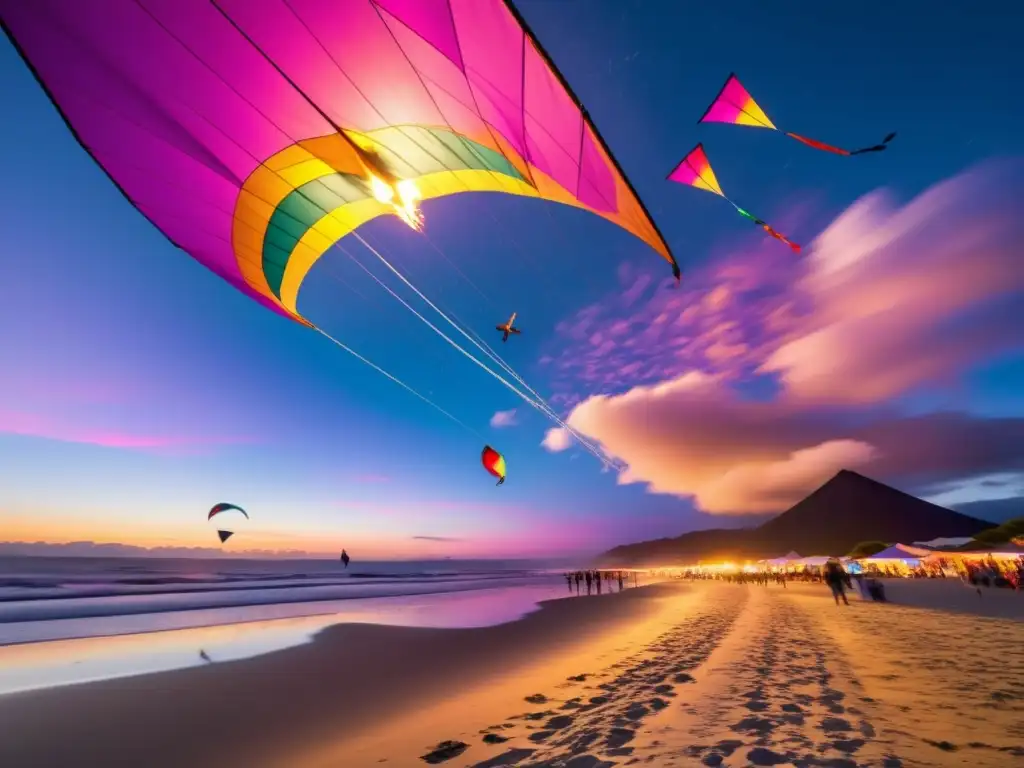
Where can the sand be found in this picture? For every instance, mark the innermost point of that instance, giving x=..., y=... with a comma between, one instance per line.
x=668, y=675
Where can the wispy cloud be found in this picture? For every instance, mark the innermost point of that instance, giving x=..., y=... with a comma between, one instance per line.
x=504, y=419
x=372, y=478
x=48, y=427
x=436, y=538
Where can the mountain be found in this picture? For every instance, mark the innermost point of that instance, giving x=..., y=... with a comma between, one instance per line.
x=845, y=511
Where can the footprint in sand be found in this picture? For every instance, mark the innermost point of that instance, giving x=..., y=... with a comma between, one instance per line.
x=763, y=756
x=835, y=725
x=493, y=738
x=444, y=751
x=537, y=698
x=511, y=758
x=619, y=737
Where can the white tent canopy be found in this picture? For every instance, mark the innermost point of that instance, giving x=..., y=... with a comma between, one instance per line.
x=898, y=552
x=956, y=541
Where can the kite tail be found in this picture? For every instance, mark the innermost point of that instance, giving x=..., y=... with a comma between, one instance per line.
x=818, y=144
x=877, y=147
x=839, y=150
x=781, y=237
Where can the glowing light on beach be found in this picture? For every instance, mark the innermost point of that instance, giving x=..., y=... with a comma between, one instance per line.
x=406, y=206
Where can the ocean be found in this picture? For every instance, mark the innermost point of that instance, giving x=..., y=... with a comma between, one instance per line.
x=70, y=620
x=51, y=598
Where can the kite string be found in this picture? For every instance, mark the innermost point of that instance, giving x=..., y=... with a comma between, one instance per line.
x=441, y=333
x=538, y=404
x=395, y=379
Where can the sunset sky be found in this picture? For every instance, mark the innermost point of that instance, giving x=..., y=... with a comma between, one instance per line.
x=137, y=389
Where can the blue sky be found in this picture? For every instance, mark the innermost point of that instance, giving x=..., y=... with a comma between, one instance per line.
x=139, y=389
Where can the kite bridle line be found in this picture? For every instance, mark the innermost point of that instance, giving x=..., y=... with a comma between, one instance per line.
x=585, y=121
x=543, y=409
x=395, y=379
x=537, y=405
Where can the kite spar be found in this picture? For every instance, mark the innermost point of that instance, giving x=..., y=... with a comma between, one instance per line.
x=735, y=105
x=694, y=170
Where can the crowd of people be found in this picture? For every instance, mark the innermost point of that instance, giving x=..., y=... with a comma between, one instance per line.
x=594, y=580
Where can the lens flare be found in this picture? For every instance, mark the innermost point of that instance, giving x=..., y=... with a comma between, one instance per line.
x=408, y=195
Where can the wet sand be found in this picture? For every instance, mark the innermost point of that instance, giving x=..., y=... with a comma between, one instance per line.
x=669, y=675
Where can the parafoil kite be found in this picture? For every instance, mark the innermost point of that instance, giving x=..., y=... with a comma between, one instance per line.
x=735, y=105
x=255, y=135
x=695, y=170
x=224, y=507
x=220, y=508
x=494, y=463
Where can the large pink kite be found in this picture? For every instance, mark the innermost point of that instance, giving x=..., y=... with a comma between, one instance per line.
x=257, y=133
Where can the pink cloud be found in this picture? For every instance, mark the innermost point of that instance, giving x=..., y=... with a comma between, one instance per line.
x=504, y=419
x=557, y=439
x=695, y=437
x=64, y=430
x=905, y=297
x=887, y=300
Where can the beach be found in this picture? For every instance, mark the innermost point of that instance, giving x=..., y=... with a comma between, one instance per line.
x=675, y=674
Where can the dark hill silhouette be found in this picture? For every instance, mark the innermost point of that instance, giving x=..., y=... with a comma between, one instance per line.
x=845, y=511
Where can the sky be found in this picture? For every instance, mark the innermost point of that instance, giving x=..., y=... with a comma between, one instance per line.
x=137, y=389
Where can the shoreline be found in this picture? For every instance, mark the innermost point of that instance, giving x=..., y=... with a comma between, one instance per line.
x=265, y=709
x=671, y=674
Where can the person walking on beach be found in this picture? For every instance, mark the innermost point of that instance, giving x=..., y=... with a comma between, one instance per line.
x=589, y=579
x=568, y=580
x=835, y=577
x=597, y=578
x=620, y=581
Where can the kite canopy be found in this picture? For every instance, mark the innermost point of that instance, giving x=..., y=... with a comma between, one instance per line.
x=252, y=133
x=695, y=171
x=734, y=105
x=494, y=463
x=224, y=507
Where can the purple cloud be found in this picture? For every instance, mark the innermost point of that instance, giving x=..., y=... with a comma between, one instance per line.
x=504, y=419
x=888, y=301
x=71, y=430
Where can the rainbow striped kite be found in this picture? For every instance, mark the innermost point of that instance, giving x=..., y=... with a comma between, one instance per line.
x=735, y=105
x=695, y=171
x=256, y=134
